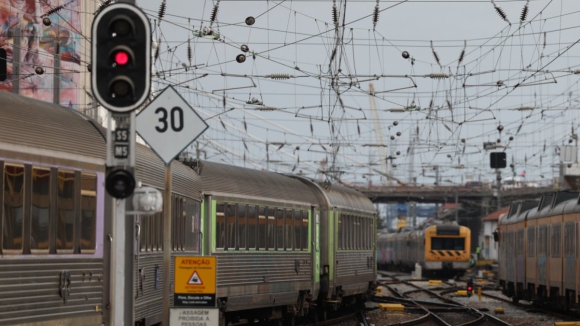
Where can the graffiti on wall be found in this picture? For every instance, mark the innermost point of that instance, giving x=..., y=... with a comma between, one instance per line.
x=40, y=40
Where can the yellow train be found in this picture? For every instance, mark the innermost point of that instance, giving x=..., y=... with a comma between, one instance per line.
x=440, y=249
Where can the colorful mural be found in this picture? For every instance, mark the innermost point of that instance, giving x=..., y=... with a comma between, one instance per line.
x=38, y=45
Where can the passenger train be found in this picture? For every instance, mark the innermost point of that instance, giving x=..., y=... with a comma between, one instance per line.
x=286, y=246
x=539, y=250
x=440, y=250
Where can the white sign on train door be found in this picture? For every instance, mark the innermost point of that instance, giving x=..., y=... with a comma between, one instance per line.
x=169, y=124
x=193, y=317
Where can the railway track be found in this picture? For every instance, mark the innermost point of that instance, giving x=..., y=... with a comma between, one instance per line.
x=443, y=311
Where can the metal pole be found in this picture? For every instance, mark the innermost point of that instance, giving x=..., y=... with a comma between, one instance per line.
x=498, y=182
x=118, y=265
x=456, y=207
x=56, y=77
x=16, y=60
x=166, y=244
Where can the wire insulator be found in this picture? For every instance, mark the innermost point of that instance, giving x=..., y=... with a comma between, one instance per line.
x=524, y=14
x=280, y=76
x=335, y=15
x=214, y=12
x=435, y=54
x=450, y=106
x=545, y=36
x=53, y=11
x=161, y=13
x=156, y=56
x=376, y=16
x=499, y=11
x=462, y=54
x=438, y=76
x=189, y=56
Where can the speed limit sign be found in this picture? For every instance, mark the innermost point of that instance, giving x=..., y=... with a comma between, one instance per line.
x=169, y=124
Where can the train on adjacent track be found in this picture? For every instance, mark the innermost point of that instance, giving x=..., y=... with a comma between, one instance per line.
x=440, y=250
x=287, y=246
x=539, y=250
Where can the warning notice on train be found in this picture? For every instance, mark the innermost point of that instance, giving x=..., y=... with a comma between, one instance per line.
x=193, y=317
x=195, y=281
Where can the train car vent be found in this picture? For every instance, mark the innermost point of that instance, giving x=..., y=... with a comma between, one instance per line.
x=563, y=196
x=546, y=201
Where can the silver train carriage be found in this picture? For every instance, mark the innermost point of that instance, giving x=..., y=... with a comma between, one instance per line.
x=539, y=250
x=442, y=249
x=55, y=226
x=286, y=246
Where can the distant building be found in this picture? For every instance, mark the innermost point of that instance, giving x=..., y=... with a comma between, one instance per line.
x=486, y=242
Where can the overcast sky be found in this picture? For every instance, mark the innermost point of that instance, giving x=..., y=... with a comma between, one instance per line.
x=319, y=106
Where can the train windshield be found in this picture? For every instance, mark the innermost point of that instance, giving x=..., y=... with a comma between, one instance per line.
x=447, y=244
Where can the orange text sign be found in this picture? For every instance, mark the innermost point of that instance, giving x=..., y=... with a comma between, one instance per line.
x=195, y=275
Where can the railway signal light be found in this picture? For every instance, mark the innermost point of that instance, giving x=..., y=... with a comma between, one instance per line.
x=469, y=287
x=497, y=160
x=120, y=183
x=121, y=57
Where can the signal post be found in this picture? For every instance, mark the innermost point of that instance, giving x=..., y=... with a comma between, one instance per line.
x=121, y=82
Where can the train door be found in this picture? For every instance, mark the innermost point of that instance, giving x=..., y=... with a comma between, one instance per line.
x=531, y=260
x=555, y=261
x=569, y=253
x=315, y=249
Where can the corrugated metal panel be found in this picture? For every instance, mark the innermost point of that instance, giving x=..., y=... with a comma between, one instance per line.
x=29, y=289
x=228, y=179
x=353, y=263
x=151, y=171
x=344, y=197
x=28, y=122
x=149, y=301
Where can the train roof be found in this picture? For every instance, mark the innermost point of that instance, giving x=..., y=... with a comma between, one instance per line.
x=342, y=197
x=64, y=133
x=56, y=130
x=232, y=181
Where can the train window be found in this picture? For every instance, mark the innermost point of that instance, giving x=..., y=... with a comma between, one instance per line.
x=230, y=226
x=569, y=241
x=88, y=211
x=220, y=226
x=531, y=243
x=304, y=233
x=520, y=242
x=339, y=232
x=65, y=219
x=447, y=243
x=297, y=229
x=280, y=229
x=262, y=228
x=40, y=204
x=542, y=240
x=192, y=209
x=289, y=226
x=143, y=228
x=241, y=227
x=253, y=221
x=555, y=243
x=271, y=228
x=158, y=243
x=13, y=207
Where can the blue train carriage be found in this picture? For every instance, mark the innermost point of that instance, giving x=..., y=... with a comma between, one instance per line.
x=262, y=227
x=347, y=245
x=52, y=212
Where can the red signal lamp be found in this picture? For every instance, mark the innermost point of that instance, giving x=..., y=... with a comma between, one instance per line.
x=121, y=58
x=469, y=288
